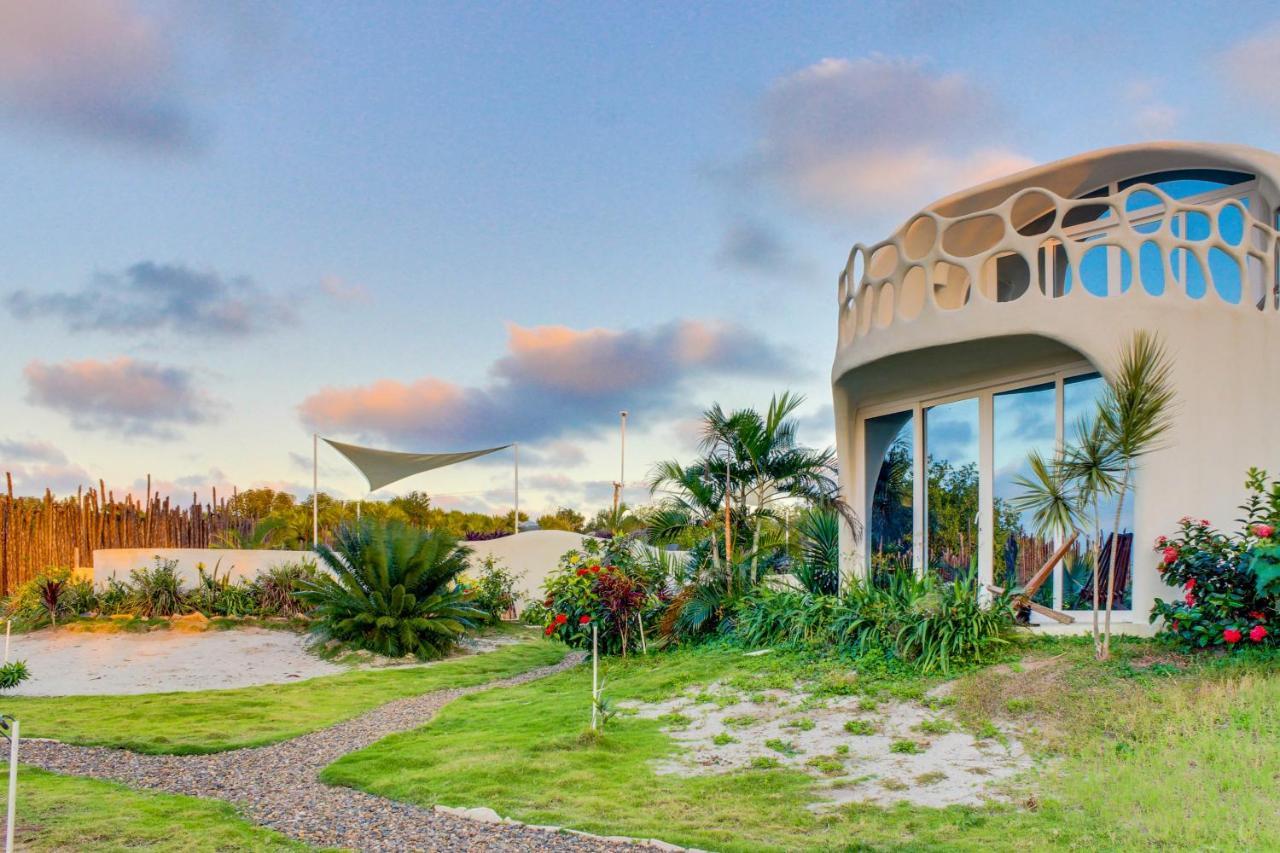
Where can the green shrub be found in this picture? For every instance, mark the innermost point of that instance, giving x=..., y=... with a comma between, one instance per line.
x=12, y=674
x=392, y=590
x=157, y=591
x=494, y=590
x=860, y=727
x=275, y=591
x=114, y=598
x=41, y=600
x=606, y=585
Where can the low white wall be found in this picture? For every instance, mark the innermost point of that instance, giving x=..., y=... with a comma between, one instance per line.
x=119, y=562
x=530, y=556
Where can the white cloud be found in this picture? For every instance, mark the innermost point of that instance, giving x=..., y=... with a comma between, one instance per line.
x=849, y=138
x=1251, y=66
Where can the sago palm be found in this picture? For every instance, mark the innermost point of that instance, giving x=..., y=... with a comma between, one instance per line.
x=391, y=590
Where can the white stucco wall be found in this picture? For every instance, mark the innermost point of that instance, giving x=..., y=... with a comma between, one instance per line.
x=119, y=562
x=530, y=556
x=1226, y=357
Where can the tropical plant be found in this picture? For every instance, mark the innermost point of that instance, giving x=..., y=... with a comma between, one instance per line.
x=276, y=590
x=114, y=597
x=818, y=570
x=157, y=591
x=29, y=604
x=605, y=585
x=391, y=590
x=13, y=673
x=1230, y=582
x=263, y=534
x=1134, y=414
x=494, y=590
x=51, y=597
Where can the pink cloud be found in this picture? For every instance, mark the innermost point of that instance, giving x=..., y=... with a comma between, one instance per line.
x=123, y=395
x=553, y=381
x=94, y=68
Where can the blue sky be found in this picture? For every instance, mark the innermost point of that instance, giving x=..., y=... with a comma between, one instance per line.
x=427, y=226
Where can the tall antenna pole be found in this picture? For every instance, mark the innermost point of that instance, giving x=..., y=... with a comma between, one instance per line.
x=515, y=519
x=622, y=464
x=315, y=490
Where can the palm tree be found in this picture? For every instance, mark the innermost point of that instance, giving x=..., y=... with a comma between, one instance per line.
x=693, y=496
x=763, y=460
x=1134, y=415
x=1092, y=466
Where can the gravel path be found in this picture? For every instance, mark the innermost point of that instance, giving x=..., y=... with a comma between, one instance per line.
x=276, y=785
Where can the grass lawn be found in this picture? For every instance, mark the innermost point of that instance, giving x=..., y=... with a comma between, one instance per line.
x=1148, y=750
x=66, y=813
x=215, y=720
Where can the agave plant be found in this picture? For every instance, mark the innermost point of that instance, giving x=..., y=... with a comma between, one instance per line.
x=391, y=590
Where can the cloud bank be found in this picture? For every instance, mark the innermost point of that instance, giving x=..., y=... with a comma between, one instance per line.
x=130, y=397
x=552, y=382
x=152, y=297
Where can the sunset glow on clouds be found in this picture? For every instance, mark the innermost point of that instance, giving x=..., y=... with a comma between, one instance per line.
x=436, y=226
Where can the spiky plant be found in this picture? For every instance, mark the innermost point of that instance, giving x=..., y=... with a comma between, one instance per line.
x=391, y=590
x=1134, y=415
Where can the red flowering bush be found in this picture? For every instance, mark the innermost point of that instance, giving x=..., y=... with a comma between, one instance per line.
x=1229, y=582
x=606, y=586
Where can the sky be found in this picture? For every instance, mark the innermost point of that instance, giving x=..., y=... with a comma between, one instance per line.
x=437, y=226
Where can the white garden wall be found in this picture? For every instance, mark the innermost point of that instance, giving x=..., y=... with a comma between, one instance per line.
x=119, y=562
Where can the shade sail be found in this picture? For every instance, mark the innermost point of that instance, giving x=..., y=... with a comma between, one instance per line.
x=384, y=467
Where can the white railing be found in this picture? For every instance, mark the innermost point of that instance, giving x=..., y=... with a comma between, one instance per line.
x=1039, y=245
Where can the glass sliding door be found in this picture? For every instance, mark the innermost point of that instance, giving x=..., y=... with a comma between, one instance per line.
x=1080, y=395
x=1024, y=420
x=951, y=470
x=890, y=449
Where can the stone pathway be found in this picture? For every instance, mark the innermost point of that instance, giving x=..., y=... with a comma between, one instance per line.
x=277, y=786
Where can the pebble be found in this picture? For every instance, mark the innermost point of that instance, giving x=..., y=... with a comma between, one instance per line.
x=277, y=786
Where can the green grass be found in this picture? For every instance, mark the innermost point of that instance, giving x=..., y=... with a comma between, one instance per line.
x=216, y=720
x=67, y=813
x=1139, y=761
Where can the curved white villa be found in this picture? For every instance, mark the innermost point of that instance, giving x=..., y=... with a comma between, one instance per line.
x=978, y=331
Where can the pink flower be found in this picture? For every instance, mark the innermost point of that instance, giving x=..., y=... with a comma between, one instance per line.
x=1191, y=584
x=1190, y=600
x=1264, y=531
x=1204, y=522
x=1161, y=541
x=1231, y=635
x=1257, y=633
x=1170, y=555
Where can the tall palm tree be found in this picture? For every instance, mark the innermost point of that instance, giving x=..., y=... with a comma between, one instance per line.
x=692, y=500
x=765, y=463
x=1134, y=414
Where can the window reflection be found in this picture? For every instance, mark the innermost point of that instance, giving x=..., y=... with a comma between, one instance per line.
x=1024, y=422
x=890, y=453
x=951, y=437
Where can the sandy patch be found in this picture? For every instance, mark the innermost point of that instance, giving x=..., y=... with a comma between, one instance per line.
x=857, y=751
x=64, y=663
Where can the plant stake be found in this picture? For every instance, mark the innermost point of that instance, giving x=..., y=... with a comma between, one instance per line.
x=595, y=672
x=9, y=727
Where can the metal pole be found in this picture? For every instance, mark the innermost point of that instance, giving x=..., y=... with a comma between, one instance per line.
x=515, y=520
x=622, y=462
x=315, y=490
x=595, y=672
x=13, y=787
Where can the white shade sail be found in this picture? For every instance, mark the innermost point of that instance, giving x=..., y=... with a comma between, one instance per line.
x=384, y=467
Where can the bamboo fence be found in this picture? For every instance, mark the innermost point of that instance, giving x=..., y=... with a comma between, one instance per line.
x=41, y=533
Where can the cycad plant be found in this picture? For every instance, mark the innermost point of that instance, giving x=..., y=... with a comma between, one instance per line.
x=391, y=590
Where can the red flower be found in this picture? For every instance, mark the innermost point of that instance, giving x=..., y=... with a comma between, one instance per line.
x=1264, y=531
x=550, y=629
x=1191, y=584
x=584, y=620
x=1175, y=625
x=561, y=619
x=1170, y=554
x=595, y=569
x=1257, y=633
x=1190, y=600
x=1231, y=635
x=1204, y=522
x=1257, y=616
x=581, y=572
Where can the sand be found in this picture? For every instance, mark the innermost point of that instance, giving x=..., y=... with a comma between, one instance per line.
x=951, y=767
x=65, y=663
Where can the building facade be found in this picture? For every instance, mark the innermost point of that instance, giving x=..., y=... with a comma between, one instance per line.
x=983, y=327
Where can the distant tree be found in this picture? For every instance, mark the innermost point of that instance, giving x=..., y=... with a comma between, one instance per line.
x=260, y=503
x=416, y=507
x=564, y=518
